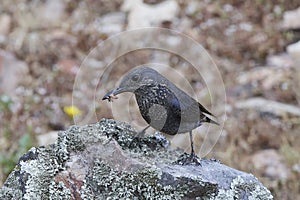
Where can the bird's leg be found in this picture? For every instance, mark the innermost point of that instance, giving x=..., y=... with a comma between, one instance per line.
x=138, y=134
x=193, y=159
x=142, y=132
x=192, y=145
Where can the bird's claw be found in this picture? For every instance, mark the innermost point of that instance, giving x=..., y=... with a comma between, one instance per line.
x=137, y=136
x=188, y=159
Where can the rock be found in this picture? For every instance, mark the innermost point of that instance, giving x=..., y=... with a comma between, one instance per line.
x=104, y=160
x=266, y=77
x=274, y=83
x=5, y=24
x=291, y=19
x=110, y=23
x=68, y=66
x=5, y=27
x=142, y=15
x=61, y=37
x=51, y=12
x=296, y=168
x=268, y=106
x=262, y=122
x=294, y=51
x=270, y=164
x=192, y=8
x=281, y=61
x=46, y=139
x=12, y=71
x=60, y=42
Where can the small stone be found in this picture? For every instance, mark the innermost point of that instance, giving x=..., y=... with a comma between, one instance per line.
x=270, y=164
x=144, y=15
x=111, y=23
x=68, y=66
x=5, y=24
x=47, y=138
x=294, y=51
x=268, y=106
x=12, y=71
x=291, y=19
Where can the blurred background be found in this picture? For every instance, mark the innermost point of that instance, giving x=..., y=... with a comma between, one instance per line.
x=43, y=44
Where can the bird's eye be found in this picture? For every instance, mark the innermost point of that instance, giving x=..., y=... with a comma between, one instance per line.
x=135, y=77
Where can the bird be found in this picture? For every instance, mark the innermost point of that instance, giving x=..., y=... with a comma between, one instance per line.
x=163, y=105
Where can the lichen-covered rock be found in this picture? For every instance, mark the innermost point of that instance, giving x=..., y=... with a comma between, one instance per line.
x=105, y=161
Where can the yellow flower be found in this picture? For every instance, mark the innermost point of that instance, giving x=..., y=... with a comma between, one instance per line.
x=72, y=111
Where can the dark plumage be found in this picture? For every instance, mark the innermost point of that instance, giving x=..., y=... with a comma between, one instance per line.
x=163, y=105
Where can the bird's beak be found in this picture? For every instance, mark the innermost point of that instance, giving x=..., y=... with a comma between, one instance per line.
x=112, y=94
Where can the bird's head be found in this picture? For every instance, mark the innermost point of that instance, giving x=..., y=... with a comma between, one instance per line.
x=135, y=79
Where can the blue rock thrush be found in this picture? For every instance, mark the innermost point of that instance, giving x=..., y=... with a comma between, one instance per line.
x=163, y=105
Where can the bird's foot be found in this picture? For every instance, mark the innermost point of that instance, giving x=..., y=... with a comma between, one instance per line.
x=138, y=135
x=142, y=132
x=188, y=159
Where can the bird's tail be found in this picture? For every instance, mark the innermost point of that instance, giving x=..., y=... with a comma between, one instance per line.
x=209, y=120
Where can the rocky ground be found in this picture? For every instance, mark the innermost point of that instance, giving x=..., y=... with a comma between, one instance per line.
x=43, y=44
x=147, y=168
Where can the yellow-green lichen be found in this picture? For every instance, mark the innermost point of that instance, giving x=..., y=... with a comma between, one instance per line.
x=143, y=184
x=239, y=189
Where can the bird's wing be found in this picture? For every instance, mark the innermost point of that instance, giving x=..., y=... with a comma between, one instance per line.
x=190, y=108
x=174, y=104
x=184, y=106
